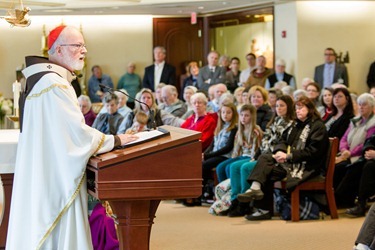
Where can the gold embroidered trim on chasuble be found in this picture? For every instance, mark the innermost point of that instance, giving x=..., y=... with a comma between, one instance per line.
x=63, y=211
x=46, y=90
x=100, y=144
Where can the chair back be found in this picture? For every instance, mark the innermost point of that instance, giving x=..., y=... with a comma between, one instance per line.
x=330, y=165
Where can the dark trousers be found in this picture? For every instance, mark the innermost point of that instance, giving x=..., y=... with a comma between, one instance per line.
x=340, y=172
x=266, y=172
x=359, y=180
x=210, y=164
x=366, y=235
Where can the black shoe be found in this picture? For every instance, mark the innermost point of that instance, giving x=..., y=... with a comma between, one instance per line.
x=357, y=211
x=259, y=215
x=251, y=194
x=241, y=210
x=192, y=202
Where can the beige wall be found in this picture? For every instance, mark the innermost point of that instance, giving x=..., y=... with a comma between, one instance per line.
x=344, y=25
x=111, y=42
x=287, y=48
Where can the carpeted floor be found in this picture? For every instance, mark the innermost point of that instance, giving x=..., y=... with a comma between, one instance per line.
x=182, y=228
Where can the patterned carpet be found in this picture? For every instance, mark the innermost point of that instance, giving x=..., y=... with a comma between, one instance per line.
x=182, y=228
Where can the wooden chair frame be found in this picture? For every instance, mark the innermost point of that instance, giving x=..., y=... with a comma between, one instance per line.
x=317, y=183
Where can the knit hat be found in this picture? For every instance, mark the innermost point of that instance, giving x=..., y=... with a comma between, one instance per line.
x=54, y=34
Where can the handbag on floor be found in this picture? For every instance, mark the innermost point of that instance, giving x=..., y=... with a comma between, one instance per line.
x=308, y=210
x=223, y=193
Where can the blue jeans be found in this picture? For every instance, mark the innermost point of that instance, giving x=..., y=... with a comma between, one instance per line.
x=222, y=169
x=239, y=172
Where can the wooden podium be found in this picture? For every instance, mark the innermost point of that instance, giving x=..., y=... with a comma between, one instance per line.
x=134, y=180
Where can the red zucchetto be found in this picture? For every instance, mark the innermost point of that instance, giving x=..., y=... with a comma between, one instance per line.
x=54, y=34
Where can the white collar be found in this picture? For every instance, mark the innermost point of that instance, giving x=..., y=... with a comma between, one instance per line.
x=41, y=67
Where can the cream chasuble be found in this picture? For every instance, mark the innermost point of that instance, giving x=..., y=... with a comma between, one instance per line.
x=49, y=201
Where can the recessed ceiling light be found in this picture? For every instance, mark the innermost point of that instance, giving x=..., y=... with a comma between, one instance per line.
x=225, y=3
x=200, y=7
x=115, y=8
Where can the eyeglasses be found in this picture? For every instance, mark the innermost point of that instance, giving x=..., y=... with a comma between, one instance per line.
x=329, y=54
x=78, y=46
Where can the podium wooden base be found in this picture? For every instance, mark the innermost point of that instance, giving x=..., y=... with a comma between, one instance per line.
x=134, y=221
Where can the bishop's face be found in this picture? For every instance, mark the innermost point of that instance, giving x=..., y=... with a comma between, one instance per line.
x=72, y=56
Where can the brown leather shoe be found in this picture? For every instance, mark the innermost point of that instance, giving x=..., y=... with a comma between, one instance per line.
x=251, y=194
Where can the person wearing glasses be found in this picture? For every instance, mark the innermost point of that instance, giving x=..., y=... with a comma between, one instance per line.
x=330, y=72
x=95, y=92
x=49, y=199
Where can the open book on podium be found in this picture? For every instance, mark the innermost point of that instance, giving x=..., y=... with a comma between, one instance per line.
x=147, y=136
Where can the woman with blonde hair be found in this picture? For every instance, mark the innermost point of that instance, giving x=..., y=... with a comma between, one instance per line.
x=259, y=99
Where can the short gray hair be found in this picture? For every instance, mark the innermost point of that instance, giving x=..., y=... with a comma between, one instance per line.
x=200, y=97
x=118, y=93
x=85, y=98
x=366, y=98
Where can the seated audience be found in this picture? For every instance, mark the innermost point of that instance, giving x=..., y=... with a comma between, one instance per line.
x=326, y=99
x=305, y=82
x=259, y=98
x=313, y=92
x=219, y=89
x=233, y=75
x=273, y=95
x=300, y=155
x=171, y=103
x=88, y=113
x=280, y=75
x=109, y=122
x=95, y=92
x=160, y=117
x=192, y=79
x=259, y=75
x=131, y=82
x=158, y=97
x=201, y=120
x=359, y=181
x=238, y=96
x=282, y=121
x=288, y=90
x=280, y=85
x=139, y=124
x=246, y=143
x=219, y=150
x=351, y=144
x=121, y=107
x=342, y=111
x=298, y=93
x=188, y=92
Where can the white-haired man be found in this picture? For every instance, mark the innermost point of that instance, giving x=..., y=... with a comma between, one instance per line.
x=280, y=75
x=54, y=147
x=171, y=103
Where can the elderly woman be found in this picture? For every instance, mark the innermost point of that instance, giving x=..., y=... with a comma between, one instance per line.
x=188, y=92
x=299, y=156
x=201, y=120
x=351, y=144
x=160, y=117
x=259, y=98
x=85, y=105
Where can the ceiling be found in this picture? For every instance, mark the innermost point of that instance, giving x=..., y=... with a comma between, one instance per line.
x=136, y=7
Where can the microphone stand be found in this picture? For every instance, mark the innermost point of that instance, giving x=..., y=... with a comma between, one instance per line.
x=150, y=111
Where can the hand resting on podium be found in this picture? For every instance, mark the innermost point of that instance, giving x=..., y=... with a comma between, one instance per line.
x=127, y=138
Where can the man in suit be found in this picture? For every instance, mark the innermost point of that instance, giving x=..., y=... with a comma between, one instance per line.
x=160, y=71
x=211, y=74
x=330, y=72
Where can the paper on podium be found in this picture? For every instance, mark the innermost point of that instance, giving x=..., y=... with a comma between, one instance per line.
x=147, y=136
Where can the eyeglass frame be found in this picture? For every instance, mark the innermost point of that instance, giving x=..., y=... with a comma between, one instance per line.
x=78, y=46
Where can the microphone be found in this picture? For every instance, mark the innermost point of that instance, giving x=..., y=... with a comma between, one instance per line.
x=150, y=111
